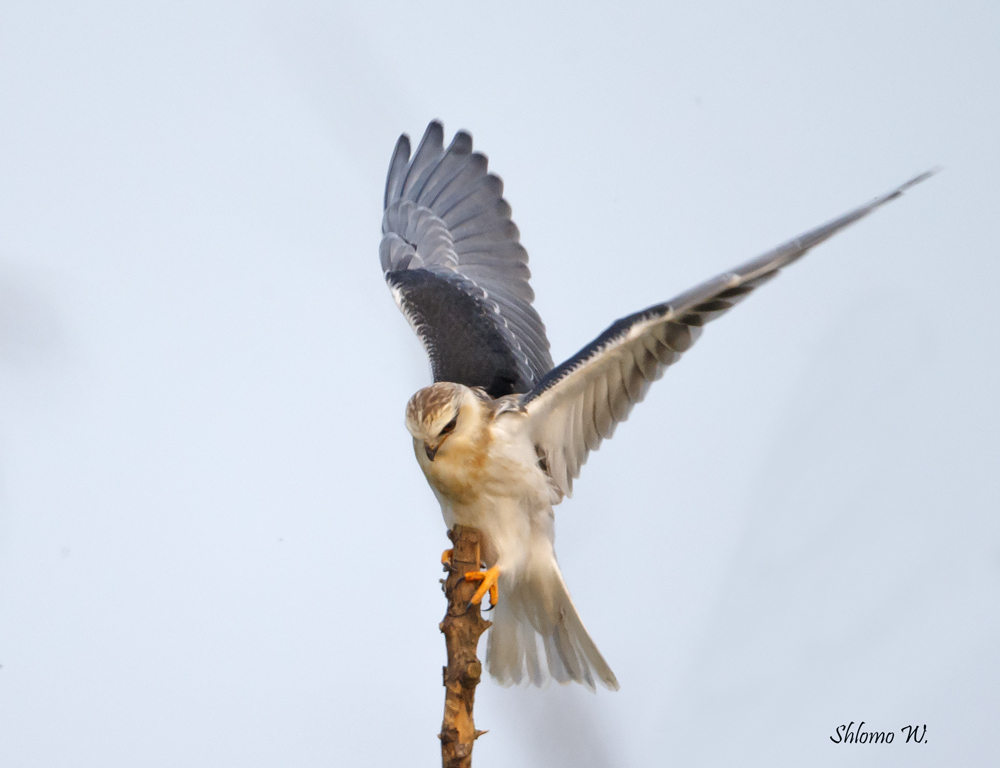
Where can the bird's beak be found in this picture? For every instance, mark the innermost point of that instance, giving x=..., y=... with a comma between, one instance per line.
x=431, y=452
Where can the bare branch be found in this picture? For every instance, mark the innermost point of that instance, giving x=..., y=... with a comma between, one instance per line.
x=462, y=627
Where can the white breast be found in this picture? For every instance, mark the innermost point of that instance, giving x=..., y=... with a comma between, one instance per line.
x=515, y=508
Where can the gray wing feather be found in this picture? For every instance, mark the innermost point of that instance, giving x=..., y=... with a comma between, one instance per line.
x=579, y=403
x=445, y=214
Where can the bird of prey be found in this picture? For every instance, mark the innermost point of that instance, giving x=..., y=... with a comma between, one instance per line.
x=502, y=433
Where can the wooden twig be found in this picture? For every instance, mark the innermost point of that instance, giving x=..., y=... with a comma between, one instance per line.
x=462, y=626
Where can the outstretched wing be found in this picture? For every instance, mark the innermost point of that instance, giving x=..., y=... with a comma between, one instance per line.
x=451, y=256
x=578, y=404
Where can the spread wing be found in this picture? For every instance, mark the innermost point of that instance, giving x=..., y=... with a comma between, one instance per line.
x=578, y=404
x=451, y=256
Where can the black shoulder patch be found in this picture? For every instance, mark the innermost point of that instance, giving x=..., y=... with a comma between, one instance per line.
x=615, y=331
x=460, y=331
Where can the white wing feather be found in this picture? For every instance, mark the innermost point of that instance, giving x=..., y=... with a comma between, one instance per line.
x=578, y=404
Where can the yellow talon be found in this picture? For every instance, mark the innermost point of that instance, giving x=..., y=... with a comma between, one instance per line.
x=446, y=557
x=489, y=584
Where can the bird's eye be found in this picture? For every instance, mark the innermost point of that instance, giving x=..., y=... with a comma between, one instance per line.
x=449, y=426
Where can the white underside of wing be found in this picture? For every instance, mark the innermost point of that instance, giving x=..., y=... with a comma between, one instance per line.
x=582, y=409
x=578, y=405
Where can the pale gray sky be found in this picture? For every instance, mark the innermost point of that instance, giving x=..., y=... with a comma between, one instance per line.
x=216, y=548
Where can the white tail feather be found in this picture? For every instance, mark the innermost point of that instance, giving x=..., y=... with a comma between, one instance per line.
x=537, y=604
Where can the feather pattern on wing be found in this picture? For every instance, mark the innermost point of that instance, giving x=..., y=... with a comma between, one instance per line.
x=457, y=270
x=579, y=403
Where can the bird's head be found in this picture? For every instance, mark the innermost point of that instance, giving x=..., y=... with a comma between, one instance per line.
x=442, y=413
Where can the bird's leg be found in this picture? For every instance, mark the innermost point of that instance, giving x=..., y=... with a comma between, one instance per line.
x=446, y=557
x=489, y=584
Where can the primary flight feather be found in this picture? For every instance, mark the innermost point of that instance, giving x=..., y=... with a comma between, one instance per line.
x=502, y=434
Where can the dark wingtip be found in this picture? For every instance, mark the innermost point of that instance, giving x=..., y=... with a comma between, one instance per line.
x=922, y=177
x=402, y=148
x=400, y=157
x=461, y=144
x=434, y=133
x=898, y=191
